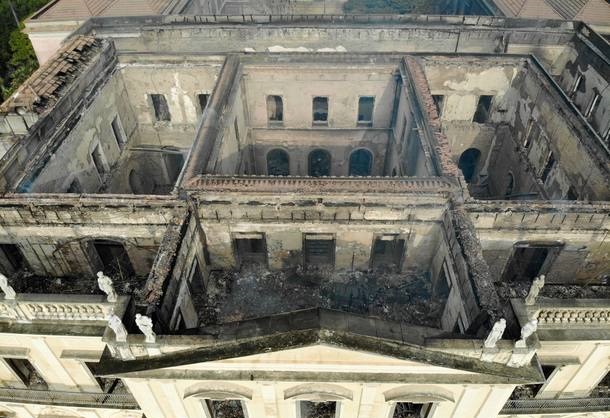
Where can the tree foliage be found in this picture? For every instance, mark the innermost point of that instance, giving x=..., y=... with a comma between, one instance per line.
x=391, y=6
x=17, y=58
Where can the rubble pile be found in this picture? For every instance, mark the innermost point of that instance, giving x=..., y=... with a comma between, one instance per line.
x=402, y=297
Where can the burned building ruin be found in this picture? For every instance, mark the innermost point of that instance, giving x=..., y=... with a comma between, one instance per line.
x=321, y=217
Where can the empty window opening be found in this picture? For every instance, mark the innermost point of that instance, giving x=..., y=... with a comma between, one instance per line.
x=11, y=259
x=592, y=108
x=510, y=185
x=548, y=166
x=320, y=110
x=483, y=107
x=602, y=390
x=26, y=372
x=387, y=252
x=439, y=102
x=319, y=250
x=442, y=286
x=468, y=163
x=275, y=109
x=309, y=409
x=278, y=163
x=366, y=104
x=572, y=194
x=532, y=135
x=409, y=410
x=225, y=409
x=360, y=163
x=74, y=187
x=114, y=258
x=237, y=134
x=180, y=324
x=394, y=172
x=118, y=132
x=173, y=163
x=531, y=391
x=160, y=107
x=203, y=100
x=319, y=163
x=459, y=327
x=576, y=85
x=251, y=249
x=98, y=159
x=529, y=261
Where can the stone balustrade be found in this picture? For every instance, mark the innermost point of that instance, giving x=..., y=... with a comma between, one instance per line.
x=40, y=307
x=316, y=184
x=571, y=313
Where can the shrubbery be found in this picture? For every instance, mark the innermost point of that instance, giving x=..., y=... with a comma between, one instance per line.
x=17, y=58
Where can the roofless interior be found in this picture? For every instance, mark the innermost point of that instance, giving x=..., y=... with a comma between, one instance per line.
x=327, y=115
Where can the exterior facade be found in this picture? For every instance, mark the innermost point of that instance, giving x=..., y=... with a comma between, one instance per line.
x=352, y=217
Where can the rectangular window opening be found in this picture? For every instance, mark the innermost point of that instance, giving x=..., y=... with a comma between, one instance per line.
x=319, y=250
x=114, y=258
x=98, y=160
x=592, y=108
x=119, y=133
x=483, y=107
x=26, y=372
x=160, y=107
x=230, y=408
x=75, y=187
x=251, y=249
x=387, y=252
x=320, y=110
x=203, y=99
x=439, y=101
x=532, y=135
x=548, y=166
x=576, y=84
x=409, y=410
x=237, y=134
x=366, y=104
x=275, y=109
x=11, y=258
x=309, y=409
x=528, y=261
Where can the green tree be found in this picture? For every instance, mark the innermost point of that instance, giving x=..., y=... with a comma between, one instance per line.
x=17, y=58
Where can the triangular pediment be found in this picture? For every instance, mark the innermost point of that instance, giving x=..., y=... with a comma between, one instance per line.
x=323, y=357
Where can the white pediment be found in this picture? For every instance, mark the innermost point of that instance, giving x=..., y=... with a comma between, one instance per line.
x=322, y=357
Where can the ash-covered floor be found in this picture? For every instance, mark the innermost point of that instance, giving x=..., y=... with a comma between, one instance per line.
x=258, y=292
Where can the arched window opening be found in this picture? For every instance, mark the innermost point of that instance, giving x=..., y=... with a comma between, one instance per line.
x=360, y=163
x=319, y=163
x=510, y=186
x=468, y=163
x=135, y=182
x=275, y=108
x=278, y=163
